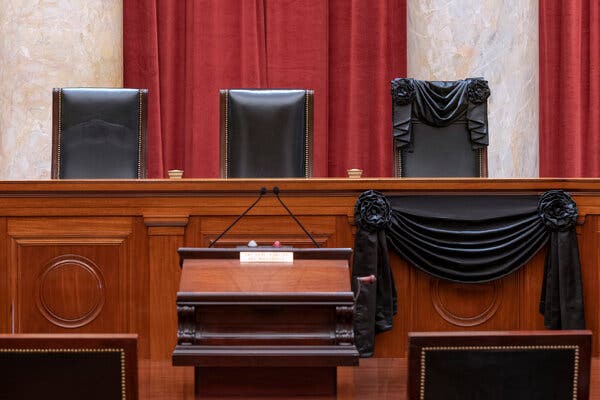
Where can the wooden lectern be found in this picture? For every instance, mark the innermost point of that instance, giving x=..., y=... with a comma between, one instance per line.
x=265, y=326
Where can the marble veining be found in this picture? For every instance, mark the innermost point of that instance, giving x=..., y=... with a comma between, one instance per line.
x=46, y=44
x=495, y=39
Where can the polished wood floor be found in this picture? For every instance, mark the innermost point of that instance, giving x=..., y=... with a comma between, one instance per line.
x=375, y=378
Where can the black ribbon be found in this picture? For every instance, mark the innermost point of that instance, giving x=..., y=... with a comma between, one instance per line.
x=469, y=239
x=561, y=300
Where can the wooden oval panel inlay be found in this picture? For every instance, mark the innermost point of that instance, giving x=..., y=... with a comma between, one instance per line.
x=465, y=304
x=70, y=291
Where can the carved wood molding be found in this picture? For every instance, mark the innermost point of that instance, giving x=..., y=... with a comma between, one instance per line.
x=166, y=225
x=186, y=331
x=90, y=291
x=454, y=317
x=344, y=332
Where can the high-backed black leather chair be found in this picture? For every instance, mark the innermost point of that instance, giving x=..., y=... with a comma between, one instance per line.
x=266, y=133
x=68, y=366
x=440, y=128
x=99, y=133
x=499, y=365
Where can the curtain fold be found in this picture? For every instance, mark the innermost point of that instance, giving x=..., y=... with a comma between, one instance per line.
x=466, y=239
x=141, y=70
x=345, y=50
x=569, y=50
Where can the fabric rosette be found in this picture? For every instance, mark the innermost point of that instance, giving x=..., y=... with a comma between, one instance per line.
x=558, y=210
x=478, y=91
x=403, y=91
x=372, y=211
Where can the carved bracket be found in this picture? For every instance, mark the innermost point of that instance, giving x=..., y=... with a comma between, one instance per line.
x=186, y=330
x=344, y=332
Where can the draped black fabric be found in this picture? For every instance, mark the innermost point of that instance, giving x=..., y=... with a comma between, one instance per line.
x=440, y=103
x=468, y=239
x=375, y=304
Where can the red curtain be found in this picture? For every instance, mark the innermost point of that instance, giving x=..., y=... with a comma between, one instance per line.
x=345, y=50
x=569, y=88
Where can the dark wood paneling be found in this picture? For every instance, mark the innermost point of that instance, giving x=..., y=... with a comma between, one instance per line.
x=439, y=305
x=131, y=230
x=72, y=274
x=165, y=236
x=6, y=285
x=373, y=379
x=279, y=383
x=589, y=253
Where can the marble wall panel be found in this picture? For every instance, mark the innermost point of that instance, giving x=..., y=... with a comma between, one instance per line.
x=496, y=39
x=46, y=44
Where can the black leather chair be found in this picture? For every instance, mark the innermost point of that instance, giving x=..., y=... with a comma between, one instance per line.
x=440, y=128
x=499, y=365
x=99, y=133
x=68, y=366
x=266, y=133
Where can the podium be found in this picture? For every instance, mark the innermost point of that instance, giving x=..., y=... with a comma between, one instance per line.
x=265, y=325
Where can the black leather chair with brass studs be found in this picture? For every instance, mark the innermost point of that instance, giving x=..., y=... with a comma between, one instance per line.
x=440, y=128
x=99, y=133
x=499, y=365
x=266, y=133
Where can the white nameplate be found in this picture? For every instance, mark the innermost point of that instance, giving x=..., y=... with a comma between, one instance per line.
x=267, y=256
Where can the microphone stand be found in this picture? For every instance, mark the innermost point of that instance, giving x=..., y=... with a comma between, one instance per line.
x=276, y=193
x=263, y=190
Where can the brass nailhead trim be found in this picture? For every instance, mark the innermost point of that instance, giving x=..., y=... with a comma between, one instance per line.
x=481, y=163
x=140, y=134
x=67, y=350
x=306, y=144
x=227, y=134
x=59, y=133
x=461, y=348
x=397, y=161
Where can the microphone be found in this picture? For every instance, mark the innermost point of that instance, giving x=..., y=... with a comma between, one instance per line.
x=263, y=191
x=276, y=193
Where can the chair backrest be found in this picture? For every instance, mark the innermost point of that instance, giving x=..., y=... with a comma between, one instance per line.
x=68, y=366
x=99, y=133
x=440, y=128
x=515, y=365
x=266, y=133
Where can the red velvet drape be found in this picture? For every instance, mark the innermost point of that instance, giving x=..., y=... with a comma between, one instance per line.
x=569, y=88
x=345, y=50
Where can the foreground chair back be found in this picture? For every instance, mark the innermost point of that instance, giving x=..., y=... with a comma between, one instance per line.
x=68, y=366
x=266, y=133
x=99, y=133
x=440, y=128
x=516, y=365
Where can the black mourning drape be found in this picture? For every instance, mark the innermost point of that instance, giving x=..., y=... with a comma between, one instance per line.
x=466, y=239
x=440, y=103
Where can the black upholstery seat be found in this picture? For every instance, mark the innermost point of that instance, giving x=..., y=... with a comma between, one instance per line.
x=499, y=365
x=266, y=133
x=99, y=133
x=440, y=128
x=69, y=366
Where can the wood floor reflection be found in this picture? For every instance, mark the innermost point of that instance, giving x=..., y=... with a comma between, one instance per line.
x=375, y=378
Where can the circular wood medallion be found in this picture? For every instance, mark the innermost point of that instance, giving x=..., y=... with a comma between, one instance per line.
x=70, y=291
x=464, y=304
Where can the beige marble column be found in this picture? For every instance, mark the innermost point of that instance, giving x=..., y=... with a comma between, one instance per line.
x=495, y=39
x=46, y=44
